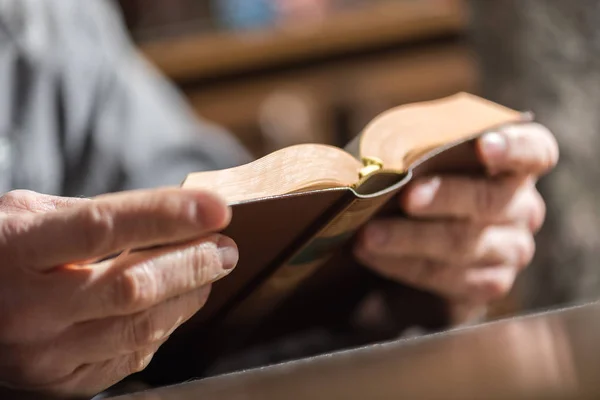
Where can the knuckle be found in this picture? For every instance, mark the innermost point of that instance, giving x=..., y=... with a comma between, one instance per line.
x=142, y=330
x=553, y=155
x=139, y=360
x=204, y=260
x=538, y=212
x=9, y=197
x=201, y=262
x=187, y=210
x=179, y=206
x=136, y=288
x=499, y=289
x=198, y=260
x=16, y=198
x=461, y=237
x=498, y=286
x=525, y=250
x=542, y=143
x=99, y=232
x=484, y=198
x=166, y=209
x=552, y=148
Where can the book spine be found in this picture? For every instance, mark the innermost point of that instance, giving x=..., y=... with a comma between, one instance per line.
x=305, y=262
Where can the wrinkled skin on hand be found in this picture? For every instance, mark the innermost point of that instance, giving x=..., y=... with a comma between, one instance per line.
x=467, y=238
x=74, y=321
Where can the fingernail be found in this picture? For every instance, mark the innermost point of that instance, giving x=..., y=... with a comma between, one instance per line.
x=228, y=253
x=423, y=194
x=211, y=211
x=376, y=236
x=494, y=146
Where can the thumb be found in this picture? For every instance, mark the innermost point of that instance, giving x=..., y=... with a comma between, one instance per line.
x=26, y=201
x=518, y=149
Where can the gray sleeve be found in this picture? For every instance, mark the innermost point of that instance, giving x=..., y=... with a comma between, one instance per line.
x=139, y=131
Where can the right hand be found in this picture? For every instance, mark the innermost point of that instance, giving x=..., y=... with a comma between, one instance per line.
x=71, y=324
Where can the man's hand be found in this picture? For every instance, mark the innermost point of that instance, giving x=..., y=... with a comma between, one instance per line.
x=468, y=236
x=73, y=322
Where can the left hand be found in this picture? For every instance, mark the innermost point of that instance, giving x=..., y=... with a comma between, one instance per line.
x=470, y=236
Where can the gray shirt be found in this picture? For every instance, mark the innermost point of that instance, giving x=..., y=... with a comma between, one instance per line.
x=81, y=113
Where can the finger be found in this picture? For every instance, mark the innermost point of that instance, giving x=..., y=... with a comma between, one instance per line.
x=91, y=379
x=442, y=279
x=52, y=203
x=142, y=280
x=101, y=340
x=476, y=285
x=519, y=149
x=507, y=200
x=118, y=287
x=447, y=242
x=490, y=283
x=19, y=201
x=109, y=225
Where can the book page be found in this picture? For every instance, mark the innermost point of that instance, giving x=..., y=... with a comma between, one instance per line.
x=401, y=136
x=295, y=169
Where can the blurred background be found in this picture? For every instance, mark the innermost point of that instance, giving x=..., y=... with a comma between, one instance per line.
x=282, y=72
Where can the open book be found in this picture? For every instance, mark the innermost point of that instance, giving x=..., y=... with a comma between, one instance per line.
x=294, y=209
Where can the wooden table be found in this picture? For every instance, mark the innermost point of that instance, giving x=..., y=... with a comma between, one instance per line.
x=552, y=355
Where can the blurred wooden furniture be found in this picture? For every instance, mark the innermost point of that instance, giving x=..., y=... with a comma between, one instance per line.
x=193, y=57
x=279, y=86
